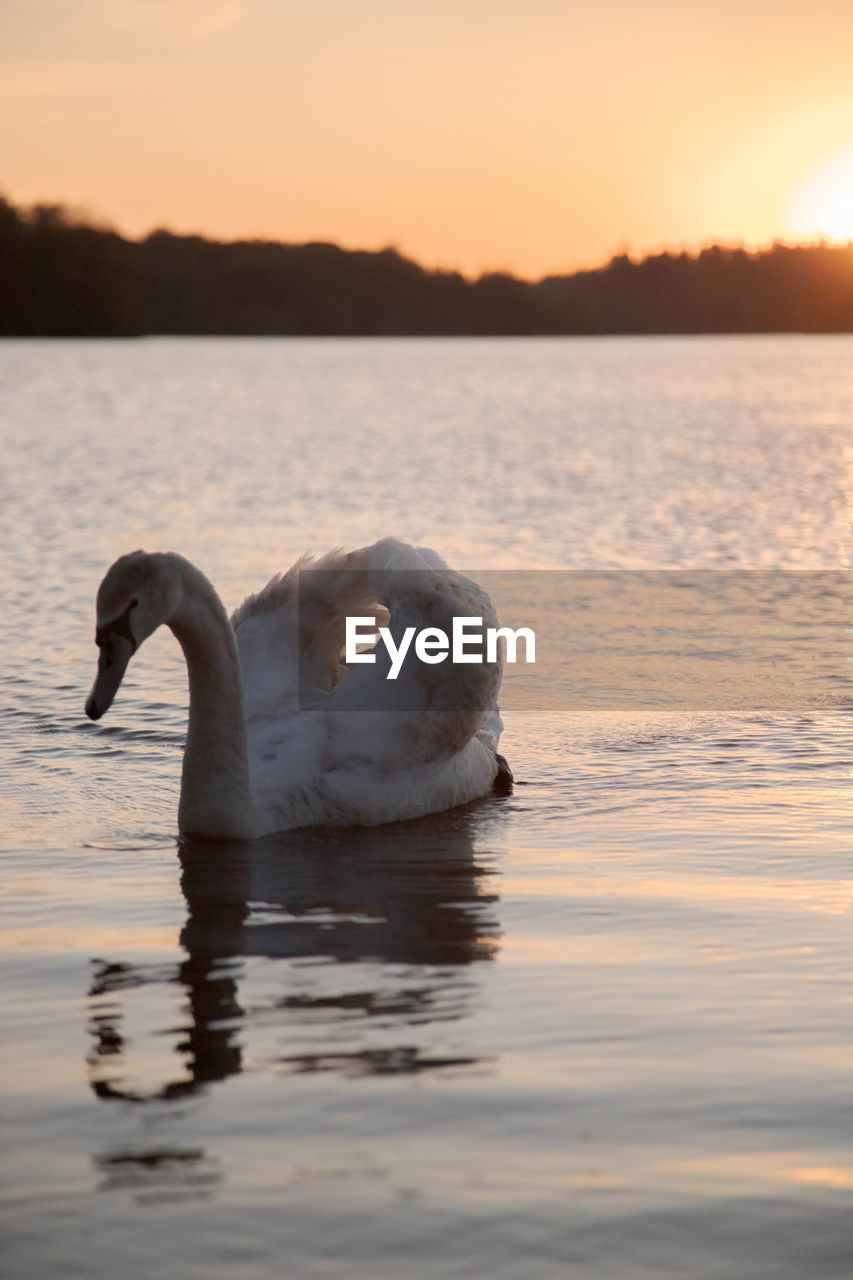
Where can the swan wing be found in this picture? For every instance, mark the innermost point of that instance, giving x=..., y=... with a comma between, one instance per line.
x=330, y=744
x=440, y=706
x=290, y=635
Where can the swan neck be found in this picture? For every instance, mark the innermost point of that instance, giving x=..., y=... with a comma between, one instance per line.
x=215, y=793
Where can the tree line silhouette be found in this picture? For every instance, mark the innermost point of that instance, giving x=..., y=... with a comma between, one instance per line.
x=60, y=276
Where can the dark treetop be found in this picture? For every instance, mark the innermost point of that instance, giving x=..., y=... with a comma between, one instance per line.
x=60, y=276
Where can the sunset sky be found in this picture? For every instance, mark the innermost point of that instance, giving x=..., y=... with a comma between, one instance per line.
x=528, y=135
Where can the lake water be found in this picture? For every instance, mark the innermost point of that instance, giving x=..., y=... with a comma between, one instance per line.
x=602, y=1028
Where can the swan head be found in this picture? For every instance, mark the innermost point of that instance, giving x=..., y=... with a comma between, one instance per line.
x=139, y=592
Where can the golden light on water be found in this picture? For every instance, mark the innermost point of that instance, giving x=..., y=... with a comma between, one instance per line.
x=756, y=1168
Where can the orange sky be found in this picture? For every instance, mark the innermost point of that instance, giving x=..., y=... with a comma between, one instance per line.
x=529, y=135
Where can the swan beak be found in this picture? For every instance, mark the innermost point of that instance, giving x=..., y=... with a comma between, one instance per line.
x=116, y=652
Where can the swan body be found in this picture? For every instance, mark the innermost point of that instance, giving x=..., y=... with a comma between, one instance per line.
x=281, y=733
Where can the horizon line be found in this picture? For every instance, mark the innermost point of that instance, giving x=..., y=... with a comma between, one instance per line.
x=79, y=215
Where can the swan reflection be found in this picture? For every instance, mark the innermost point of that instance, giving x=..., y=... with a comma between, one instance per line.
x=160, y=1174
x=374, y=930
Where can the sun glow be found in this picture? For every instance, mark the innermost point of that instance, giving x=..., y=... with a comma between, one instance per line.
x=823, y=205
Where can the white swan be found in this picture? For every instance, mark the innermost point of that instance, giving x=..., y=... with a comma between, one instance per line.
x=281, y=734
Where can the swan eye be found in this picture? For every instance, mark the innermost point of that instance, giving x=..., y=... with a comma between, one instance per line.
x=118, y=627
